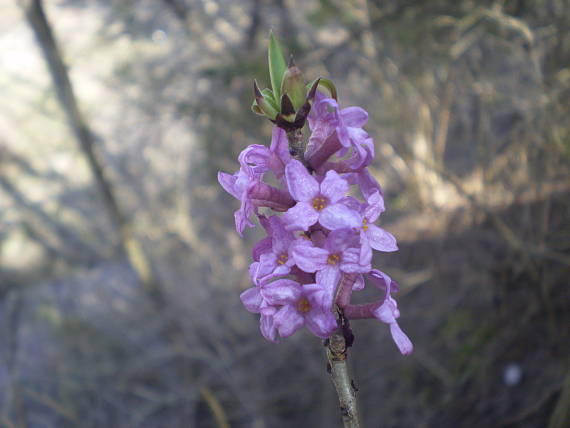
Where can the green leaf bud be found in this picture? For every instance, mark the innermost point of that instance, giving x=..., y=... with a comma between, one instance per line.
x=263, y=103
x=277, y=65
x=293, y=84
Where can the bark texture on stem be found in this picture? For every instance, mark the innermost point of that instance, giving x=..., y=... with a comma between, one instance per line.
x=337, y=356
x=297, y=146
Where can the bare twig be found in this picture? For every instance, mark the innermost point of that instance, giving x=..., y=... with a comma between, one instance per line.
x=506, y=232
x=58, y=408
x=561, y=414
x=215, y=407
x=337, y=356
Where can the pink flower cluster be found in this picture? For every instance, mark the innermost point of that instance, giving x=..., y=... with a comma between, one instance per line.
x=319, y=250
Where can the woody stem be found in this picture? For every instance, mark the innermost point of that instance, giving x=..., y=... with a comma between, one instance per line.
x=337, y=356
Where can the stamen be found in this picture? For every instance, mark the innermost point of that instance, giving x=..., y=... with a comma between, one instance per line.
x=333, y=259
x=319, y=203
x=303, y=305
x=364, y=224
x=282, y=259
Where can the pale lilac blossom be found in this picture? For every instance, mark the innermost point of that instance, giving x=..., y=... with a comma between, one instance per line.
x=317, y=202
x=311, y=309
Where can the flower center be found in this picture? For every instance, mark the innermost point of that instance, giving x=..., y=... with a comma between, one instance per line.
x=319, y=203
x=333, y=259
x=365, y=224
x=282, y=259
x=303, y=305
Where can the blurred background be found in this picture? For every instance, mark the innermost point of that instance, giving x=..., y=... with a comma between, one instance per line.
x=120, y=269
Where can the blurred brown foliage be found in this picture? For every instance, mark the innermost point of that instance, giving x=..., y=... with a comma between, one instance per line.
x=119, y=267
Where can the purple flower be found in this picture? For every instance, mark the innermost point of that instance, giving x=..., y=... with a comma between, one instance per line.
x=378, y=238
x=238, y=186
x=371, y=236
x=388, y=312
x=278, y=259
x=266, y=297
x=280, y=149
x=246, y=186
x=365, y=181
x=267, y=327
x=340, y=253
x=334, y=129
x=310, y=309
x=260, y=159
x=264, y=245
x=317, y=202
x=320, y=250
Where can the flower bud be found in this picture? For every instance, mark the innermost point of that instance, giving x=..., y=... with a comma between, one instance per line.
x=262, y=104
x=293, y=84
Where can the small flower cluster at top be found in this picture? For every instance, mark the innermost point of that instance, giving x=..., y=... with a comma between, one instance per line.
x=319, y=249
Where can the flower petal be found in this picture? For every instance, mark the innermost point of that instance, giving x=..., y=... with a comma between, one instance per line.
x=334, y=187
x=288, y=320
x=241, y=217
x=280, y=144
x=380, y=239
x=301, y=184
x=401, y=340
x=340, y=239
x=254, y=159
x=368, y=184
x=350, y=262
x=321, y=322
x=282, y=238
x=388, y=311
x=228, y=181
x=281, y=292
x=261, y=247
x=381, y=280
x=267, y=264
x=251, y=299
x=375, y=207
x=365, y=250
x=355, y=117
x=338, y=216
x=310, y=259
x=328, y=279
x=300, y=217
x=267, y=327
x=358, y=284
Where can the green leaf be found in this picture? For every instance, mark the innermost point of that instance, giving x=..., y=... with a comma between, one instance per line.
x=277, y=66
x=262, y=103
x=327, y=84
x=255, y=108
x=268, y=95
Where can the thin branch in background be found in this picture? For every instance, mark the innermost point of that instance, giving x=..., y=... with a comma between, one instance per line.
x=254, y=25
x=444, y=116
x=561, y=413
x=215, y=407
x=78, y=250
x=129, y=245
x=179, y=9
